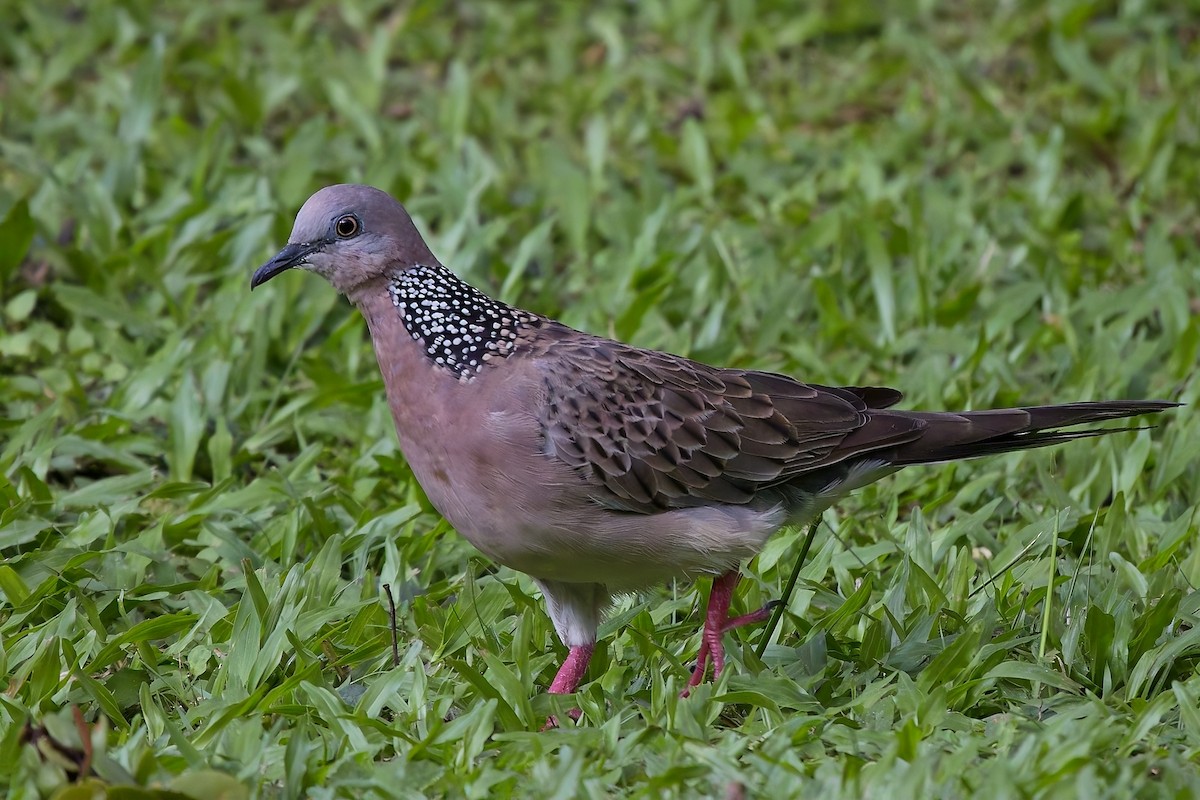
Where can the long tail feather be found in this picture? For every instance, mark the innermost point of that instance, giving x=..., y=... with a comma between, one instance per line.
x=947, y=437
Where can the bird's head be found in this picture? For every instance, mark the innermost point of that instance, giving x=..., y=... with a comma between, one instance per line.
x=349, y=234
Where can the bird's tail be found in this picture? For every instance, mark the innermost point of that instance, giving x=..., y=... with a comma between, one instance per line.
x=952, y=436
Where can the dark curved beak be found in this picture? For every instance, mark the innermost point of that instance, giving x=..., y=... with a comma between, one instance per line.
x=292, y=255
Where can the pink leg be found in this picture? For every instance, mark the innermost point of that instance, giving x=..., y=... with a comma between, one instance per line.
x=569, y=676
x=571, y=673
x=716, y=623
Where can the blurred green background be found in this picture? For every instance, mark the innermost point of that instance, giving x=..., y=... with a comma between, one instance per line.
x=200, y=491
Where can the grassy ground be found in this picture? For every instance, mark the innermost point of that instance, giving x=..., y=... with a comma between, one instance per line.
x=200, y=491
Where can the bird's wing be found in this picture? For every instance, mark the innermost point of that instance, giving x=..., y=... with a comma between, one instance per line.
x=653, y=431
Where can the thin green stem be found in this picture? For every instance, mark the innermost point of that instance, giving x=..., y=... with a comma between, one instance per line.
x=777, y=614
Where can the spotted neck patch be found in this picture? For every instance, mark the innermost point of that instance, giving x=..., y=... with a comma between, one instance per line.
x=460, y=327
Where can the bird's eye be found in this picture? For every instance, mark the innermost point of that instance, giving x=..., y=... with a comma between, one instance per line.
x=346, y=226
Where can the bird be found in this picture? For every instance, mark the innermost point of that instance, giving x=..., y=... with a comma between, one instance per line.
x=599, y=468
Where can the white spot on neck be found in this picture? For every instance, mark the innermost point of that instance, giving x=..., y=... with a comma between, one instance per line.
x=459, y=327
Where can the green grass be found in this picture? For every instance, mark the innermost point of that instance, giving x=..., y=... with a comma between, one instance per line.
x=200, y=489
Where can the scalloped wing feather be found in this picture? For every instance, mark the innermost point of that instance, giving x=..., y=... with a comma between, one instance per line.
x=652, y=431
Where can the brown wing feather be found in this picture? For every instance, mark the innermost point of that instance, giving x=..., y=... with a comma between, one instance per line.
x=656, y=431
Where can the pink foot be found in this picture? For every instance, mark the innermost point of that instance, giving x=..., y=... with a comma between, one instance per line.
x=716, y=623
x=569, y=676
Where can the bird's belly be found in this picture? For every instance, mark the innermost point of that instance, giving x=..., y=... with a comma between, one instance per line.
x=555, y=536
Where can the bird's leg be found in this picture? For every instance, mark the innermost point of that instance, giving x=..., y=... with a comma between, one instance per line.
x=569, y=676
x=716, y=623
x=573, y=668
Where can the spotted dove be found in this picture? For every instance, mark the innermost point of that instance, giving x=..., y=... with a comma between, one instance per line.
x=597, y=467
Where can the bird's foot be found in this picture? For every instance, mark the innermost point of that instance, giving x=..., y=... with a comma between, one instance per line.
x=552, y=720
x=717, y=623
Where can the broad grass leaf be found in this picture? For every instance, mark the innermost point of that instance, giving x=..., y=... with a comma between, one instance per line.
x=16, y=235
x=1033, y=673
x=148, y=630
